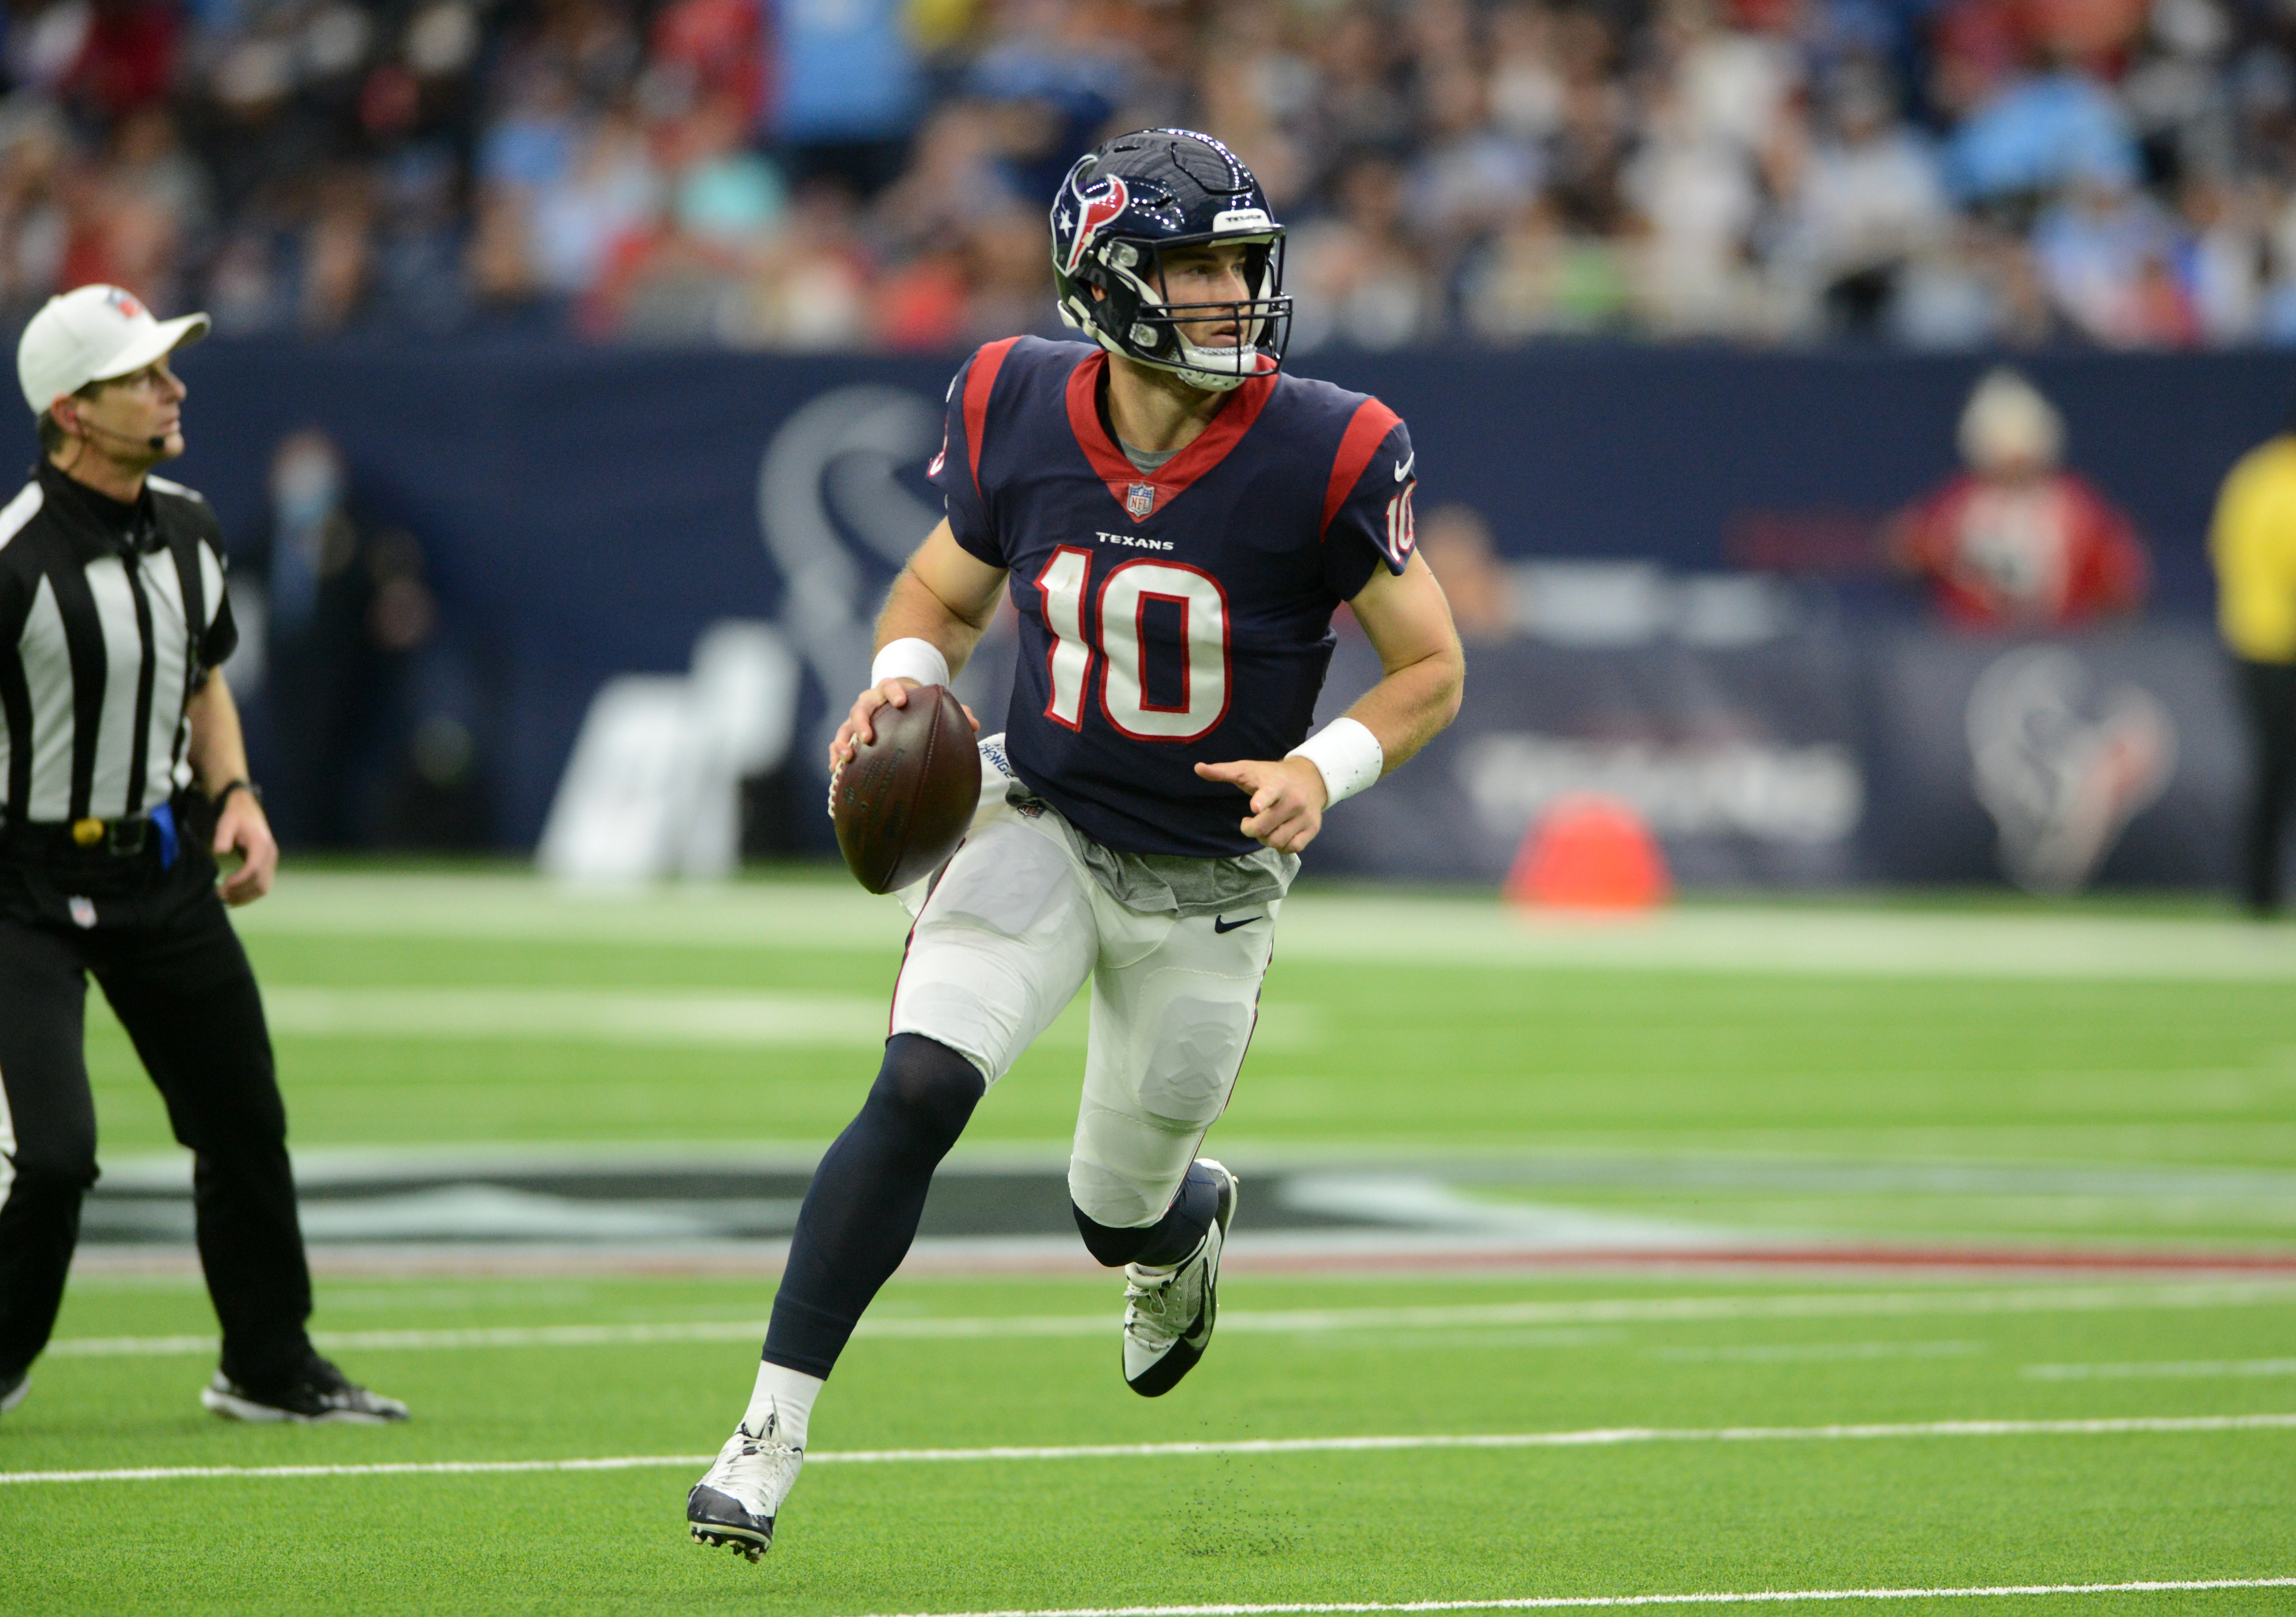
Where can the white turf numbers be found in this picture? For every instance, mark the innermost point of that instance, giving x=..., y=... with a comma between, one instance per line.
x=1120, y=611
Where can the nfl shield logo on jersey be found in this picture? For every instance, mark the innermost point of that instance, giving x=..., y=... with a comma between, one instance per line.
x=83, y=912
x=1140, y=500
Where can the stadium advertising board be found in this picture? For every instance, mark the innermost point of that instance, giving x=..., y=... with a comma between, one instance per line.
x=1826, y=757
x=589, y=514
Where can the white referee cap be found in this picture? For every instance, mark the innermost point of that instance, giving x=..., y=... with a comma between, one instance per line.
x=92, y=334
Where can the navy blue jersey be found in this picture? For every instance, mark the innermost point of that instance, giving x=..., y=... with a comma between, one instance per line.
x=1171, y=617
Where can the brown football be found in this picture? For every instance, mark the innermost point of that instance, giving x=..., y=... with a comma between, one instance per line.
x=904, y=801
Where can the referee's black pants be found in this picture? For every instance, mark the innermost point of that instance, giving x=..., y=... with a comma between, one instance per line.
x=2268, y=694
x=180, y=984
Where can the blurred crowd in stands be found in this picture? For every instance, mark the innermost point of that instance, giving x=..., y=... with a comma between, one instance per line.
x=874, y=173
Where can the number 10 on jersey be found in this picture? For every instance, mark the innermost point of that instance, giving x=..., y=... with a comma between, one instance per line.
x=1118, y=612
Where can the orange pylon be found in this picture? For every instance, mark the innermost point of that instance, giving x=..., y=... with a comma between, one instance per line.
x=1588, y=852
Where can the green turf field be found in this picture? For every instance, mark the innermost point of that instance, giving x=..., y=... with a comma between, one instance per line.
x=1808, y=1512
x=2118, y=1079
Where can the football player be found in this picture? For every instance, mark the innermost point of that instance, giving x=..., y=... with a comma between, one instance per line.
x=1177, y=521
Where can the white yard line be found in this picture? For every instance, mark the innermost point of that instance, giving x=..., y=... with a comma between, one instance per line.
x=172, y=1474
x=1597, y=1437
x=1762, y=941
x=1536, y=1603
x=1597, y=1311
x=1791, y=1353
x=1820, y=940
x=585, y=1016
x=2167, y=1368
x=507, y=1336
x=725, y=1018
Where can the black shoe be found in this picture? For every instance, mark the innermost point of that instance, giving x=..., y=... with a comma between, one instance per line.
x=12, y=1390
x=319, y=1392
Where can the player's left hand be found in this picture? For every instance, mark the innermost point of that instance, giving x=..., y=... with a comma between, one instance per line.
x=1288, y=797
x=241, y=829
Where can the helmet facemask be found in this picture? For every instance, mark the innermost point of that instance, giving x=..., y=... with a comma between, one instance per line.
x=1133, y=317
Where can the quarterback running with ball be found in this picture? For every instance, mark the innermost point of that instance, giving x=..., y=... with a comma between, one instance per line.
x=1178, y=521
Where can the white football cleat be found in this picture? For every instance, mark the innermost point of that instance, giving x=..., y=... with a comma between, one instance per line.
x=735, y=1503
x=1168, y=1313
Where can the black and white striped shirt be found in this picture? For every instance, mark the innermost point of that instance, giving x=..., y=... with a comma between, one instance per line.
x=111, y=616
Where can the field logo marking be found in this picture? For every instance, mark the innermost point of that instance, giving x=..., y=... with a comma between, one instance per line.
x=1597, y=1437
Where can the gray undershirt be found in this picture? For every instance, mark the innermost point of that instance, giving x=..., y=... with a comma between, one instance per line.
x=1171, y=884
x=1145, y=461
x=1155, y=884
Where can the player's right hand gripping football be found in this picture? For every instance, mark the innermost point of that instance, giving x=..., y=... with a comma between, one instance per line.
x=856, y=732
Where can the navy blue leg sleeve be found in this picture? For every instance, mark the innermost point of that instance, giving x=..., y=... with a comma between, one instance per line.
x=861, y=1211
x=1170, y=1238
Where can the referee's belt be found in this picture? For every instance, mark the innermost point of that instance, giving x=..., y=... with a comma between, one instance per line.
x=126, y=837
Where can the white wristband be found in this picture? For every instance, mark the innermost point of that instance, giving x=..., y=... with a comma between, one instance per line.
x=910, y=659
x=1347, y=755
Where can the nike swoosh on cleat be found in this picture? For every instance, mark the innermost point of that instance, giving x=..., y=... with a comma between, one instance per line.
x=1221, y=925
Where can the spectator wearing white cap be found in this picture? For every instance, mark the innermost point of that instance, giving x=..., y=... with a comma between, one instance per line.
x=2017, y=542
x=124, y=779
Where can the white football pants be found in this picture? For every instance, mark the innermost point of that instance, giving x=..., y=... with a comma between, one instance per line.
x=1009, y=935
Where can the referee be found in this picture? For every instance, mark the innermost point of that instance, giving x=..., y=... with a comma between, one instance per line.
x=124, y=768
x=2252, y=542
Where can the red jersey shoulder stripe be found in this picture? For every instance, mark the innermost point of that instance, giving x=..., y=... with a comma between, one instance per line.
x=1369, y=427
x=979, y=383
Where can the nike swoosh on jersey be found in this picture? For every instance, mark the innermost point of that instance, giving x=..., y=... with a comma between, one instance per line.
x=1220, y=924
x=1404, y=470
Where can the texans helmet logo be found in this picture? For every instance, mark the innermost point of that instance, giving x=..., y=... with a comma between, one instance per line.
x=1101, y=205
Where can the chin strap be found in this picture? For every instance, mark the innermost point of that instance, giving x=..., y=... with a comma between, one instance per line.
x=1212, y=370
x=1195, y=370
x=1205, y=369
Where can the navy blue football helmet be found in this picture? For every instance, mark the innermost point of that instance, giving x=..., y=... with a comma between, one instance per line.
x=1142, y=195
